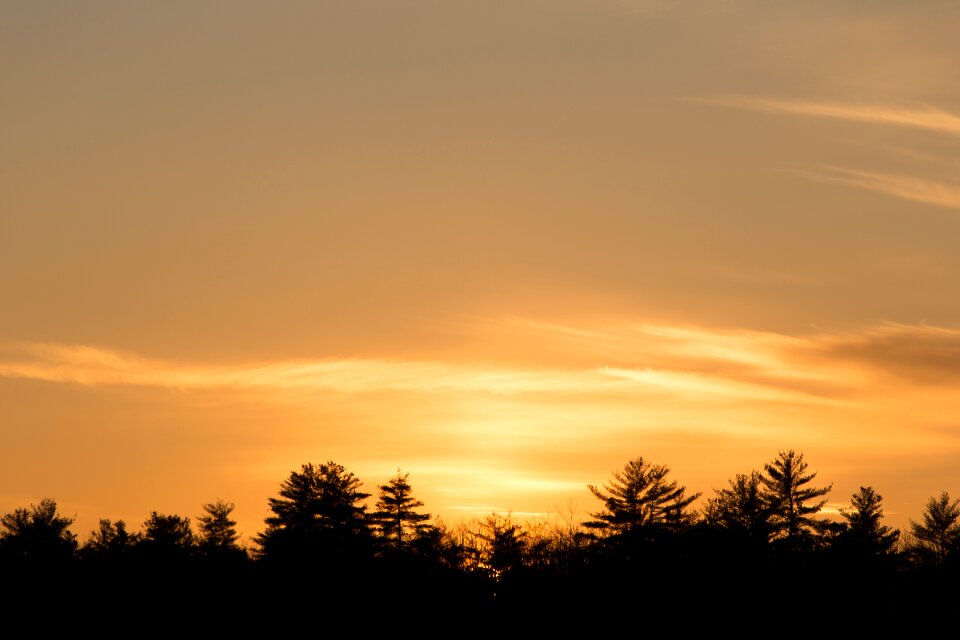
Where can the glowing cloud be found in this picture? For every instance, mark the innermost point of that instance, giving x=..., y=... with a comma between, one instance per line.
x=905, y=187
x=928, y=118
x=917, y=353
x=96, y=366
x=698, y=385
x=691, y=361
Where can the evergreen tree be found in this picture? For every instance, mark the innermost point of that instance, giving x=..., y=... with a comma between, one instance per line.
x=166, y=538
x=396, y=515
x=438, y=545
x=639, y=498
x=318, y=516
x=109, y=540
x=503, y=545
x=37, y=534
x=939, y=533
x=785, y=489
x=742, y=509
x=863, y=534
x=218, y=533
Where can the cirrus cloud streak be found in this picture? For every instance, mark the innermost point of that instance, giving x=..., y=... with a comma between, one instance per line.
x=904, y=187
x=690, y=361
x=927, y=118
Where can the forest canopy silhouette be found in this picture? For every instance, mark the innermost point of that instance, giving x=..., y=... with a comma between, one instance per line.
x=328, y=541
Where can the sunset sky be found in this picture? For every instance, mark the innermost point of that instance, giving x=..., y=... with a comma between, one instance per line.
x=504, y=246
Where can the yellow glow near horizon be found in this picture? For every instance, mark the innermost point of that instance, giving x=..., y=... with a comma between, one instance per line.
x=715, y=388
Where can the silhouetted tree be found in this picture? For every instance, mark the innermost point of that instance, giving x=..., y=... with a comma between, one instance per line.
x=166, y=538
x=640, y=497
x=784, y=482
x=504, y=545
x=395, y=516
x=439, y=545
x=742, y=509
x=939, y=533
x=37, y=534
x=318, y=516
x=110, y=540
x=217, y=531
x=569, y=542
x=863, y=534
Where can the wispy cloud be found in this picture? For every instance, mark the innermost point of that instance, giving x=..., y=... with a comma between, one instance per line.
x=689, y=362
x=762, y=364
x=713, y=385
x=905, y=187
x=737, y=354
x=97, y=366
x=915, y=353
x=86, y=365
x=753, y=348
x=927, y=117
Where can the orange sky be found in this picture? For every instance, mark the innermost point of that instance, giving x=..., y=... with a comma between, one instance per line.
x=503, y=246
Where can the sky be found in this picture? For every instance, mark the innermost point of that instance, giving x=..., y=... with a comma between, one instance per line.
x=504, y=247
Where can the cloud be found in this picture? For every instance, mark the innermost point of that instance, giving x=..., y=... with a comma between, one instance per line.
x=753, y=348
x=915, y=353
x=693, y=363
x=905, y=187
x=97, y=366
x=758, y=365
x=692, y=374
x=926, y=118
x=701, y=385
x=738, y=355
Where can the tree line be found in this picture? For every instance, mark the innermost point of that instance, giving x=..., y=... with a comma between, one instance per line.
x=647, y=537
